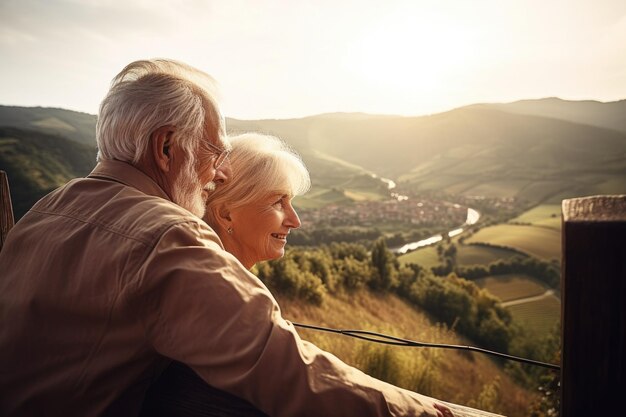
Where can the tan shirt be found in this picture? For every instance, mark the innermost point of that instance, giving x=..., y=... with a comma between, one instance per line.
x=105, y=277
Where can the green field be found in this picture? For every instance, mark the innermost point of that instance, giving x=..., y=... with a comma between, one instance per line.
x=425, y=257
x=539, y=316
x=541, y=242
x=512, y=286
x=466, y=255
x=480, y=255
x=547, y=215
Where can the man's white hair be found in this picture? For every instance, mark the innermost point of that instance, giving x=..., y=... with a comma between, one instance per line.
x=149, y=94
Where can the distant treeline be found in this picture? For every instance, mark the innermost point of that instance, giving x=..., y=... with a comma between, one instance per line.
x=545, y=271
x=319, y=236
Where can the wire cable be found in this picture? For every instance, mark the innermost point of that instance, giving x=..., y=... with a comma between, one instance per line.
x=397, y=341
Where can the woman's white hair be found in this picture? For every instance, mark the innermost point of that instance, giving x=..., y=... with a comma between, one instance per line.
x=261, y=165
x=149, y=94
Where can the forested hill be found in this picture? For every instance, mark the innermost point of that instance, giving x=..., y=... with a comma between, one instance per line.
x=38, y=162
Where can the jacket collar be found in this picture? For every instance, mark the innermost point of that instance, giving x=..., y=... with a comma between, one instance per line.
x=129, y=175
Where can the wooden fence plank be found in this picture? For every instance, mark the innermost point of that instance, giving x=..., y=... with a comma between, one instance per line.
x=6, y=209
x=593, y=371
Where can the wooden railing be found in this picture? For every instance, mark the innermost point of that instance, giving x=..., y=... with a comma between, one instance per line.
x=593, y=286
x=6, y=208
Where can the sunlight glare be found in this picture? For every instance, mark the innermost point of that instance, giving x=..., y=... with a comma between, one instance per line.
x=414, y=53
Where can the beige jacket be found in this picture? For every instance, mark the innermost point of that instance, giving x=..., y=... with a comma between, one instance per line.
x=105, y=277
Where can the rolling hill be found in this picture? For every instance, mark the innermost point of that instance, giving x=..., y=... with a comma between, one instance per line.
x=608, y=115
x=77, y=126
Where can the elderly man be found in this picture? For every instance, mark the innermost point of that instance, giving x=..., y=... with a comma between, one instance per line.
x=110, y=277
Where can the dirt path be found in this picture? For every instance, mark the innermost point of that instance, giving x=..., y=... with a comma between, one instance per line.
x=548, y=293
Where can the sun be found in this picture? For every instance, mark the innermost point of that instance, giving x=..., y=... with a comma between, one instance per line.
x=411, y=51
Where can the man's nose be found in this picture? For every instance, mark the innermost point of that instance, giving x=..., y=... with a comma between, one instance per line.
x=224, y=173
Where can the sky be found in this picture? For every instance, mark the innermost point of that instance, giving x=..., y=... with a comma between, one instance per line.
x=286, y=59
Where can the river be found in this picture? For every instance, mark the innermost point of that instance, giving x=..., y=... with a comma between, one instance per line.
x=472, y=218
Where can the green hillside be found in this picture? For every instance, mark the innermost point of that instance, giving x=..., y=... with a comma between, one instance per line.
x=36, y=163
x=531, y=158
x=80, y=127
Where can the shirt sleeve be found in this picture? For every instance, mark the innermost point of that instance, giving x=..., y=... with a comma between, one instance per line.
x=201, y=307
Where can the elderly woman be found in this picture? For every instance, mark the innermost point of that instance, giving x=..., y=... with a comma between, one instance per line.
x=254, y=214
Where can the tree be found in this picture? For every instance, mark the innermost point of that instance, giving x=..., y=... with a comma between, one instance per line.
x=383, y=262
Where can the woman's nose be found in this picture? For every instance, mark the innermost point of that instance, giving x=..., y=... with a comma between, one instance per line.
x=292, y=220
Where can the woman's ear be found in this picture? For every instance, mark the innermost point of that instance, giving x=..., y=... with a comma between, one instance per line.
x=161, y=147
x=222, y=215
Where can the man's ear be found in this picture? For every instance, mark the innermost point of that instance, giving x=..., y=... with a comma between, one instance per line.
x=161, y=147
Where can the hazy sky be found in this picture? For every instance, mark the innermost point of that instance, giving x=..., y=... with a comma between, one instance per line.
x=278, y=59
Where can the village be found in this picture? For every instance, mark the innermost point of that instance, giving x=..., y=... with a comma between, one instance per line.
x=421, y=212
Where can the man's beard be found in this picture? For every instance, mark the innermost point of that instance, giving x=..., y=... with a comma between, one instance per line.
x=188, y=191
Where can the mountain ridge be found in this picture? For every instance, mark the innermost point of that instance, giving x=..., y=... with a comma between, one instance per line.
x=501, y=150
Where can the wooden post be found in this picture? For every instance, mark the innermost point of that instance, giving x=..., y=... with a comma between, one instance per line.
x=6, y=209
x=593, y=365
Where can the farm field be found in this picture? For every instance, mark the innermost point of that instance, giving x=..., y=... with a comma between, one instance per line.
x=541, y=242
x=539, y=316
x=547, y=215
x=466, y=255
x=425, y=257
x=512, y=286
x=481, y=255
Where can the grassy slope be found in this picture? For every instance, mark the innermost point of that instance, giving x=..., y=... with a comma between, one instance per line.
x=542, y=242
x=448, y=375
